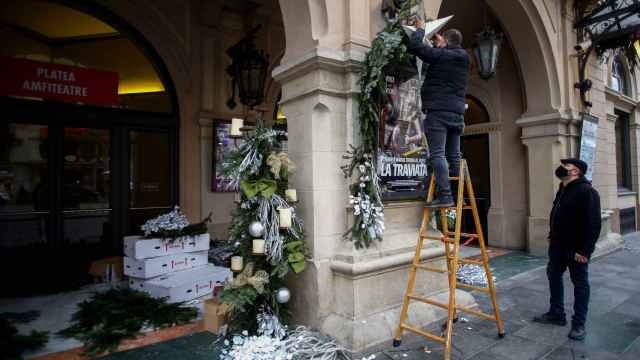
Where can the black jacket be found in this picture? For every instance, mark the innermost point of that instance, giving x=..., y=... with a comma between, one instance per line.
x=445, y=84
x=575, y=217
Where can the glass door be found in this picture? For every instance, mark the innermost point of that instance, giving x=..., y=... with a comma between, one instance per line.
x=25, y=196
x=86, y=188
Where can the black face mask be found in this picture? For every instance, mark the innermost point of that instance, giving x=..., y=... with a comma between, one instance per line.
x=561, y=172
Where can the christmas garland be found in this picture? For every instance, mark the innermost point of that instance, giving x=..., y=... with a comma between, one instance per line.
x=387, y=49
x=260, y=169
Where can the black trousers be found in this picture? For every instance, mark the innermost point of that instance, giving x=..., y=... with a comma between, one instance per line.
x=559, y=260
x=443, y=130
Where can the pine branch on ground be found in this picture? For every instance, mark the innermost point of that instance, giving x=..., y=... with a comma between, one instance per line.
x=106, y=319
x=12, y=344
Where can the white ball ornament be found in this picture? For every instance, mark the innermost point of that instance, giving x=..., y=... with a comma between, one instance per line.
x=283, y=295
x=256, y=229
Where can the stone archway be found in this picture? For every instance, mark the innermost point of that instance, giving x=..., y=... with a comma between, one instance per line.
x=176, y=44
x=528, y=32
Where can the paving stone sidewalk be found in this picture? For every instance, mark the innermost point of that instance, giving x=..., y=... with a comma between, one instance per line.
x=613, y=324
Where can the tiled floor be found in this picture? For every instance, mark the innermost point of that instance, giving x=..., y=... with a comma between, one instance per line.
x=613, y=323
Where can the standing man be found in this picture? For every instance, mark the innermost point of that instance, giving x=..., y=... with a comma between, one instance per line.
x=574, y=230
x=443, y=93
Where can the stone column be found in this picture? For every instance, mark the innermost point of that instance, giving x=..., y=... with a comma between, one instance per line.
x=546, y=140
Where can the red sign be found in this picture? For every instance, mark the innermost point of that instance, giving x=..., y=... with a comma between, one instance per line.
x=22, y=77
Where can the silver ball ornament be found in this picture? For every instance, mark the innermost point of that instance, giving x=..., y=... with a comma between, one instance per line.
x=256, y=229
x=283, y=295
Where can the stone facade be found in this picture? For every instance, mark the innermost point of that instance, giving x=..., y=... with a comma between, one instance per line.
x=316, y=48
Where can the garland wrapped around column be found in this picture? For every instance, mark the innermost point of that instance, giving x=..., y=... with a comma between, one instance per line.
x=387, y=49
x=268, y=232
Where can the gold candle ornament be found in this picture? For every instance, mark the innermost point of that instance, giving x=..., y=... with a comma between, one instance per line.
x=236, y=124
x=236, y=263
x=285, y=217
x=258, y=246
x=291, y=195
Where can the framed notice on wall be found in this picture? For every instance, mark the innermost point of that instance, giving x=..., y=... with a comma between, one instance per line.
x=223, y=144
x=588, y=141
x=402, y=145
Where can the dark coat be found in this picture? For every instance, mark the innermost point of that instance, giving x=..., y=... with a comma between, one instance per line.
x=575, y=218
x=445, y=84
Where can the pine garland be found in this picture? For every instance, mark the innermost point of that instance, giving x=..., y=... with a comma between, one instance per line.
x=387, y=49
x=107, y=318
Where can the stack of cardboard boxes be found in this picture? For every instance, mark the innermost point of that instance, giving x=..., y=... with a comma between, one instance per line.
x=177, y=269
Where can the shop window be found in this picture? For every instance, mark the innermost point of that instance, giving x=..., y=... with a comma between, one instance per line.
x=619, y=79
x=623, y=152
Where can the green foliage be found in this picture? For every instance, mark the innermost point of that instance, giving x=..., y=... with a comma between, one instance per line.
x=387, y=50
x=296, y=255
x=239, y=298
x=248, y=167
x=107, y=318
x=13, y=345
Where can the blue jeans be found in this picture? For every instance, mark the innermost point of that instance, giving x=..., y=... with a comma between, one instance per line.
x=443, y=130
x=559, y=260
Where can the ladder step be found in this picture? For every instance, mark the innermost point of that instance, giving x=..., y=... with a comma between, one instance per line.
x=461, y=234
x=476, y=288
x=432, y=237
x=470, y=261
x=454, y=178
x=446, y=306
x=476, y=313
x=464, y=207
x=428, y=301
x=423, y=333
x=428, y=268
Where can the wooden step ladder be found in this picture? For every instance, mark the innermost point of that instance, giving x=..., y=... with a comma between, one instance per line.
x=464, y=181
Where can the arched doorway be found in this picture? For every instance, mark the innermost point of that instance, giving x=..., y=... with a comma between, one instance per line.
x=475, y=148
x=91, y=116
x=493, y=135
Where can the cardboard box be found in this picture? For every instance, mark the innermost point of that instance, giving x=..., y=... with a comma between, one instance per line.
x=138, y=247
x=152, y=267
x=216, y=316
x=184, y=285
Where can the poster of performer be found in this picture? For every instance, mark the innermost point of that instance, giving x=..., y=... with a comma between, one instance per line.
x=402, y=155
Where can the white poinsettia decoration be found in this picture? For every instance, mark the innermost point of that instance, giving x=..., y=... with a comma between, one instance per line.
x=175, y=220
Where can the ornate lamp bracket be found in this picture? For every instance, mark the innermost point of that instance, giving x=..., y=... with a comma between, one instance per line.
x=603, y=25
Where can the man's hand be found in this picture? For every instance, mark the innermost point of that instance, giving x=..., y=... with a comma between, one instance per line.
x=438, y=41
x=581, y=259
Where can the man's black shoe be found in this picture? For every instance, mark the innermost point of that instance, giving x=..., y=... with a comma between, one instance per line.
x=577, y=333
x=440, y=202
x=552, y=319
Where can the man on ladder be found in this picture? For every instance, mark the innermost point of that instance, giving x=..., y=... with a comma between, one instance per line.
x=443, y=93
